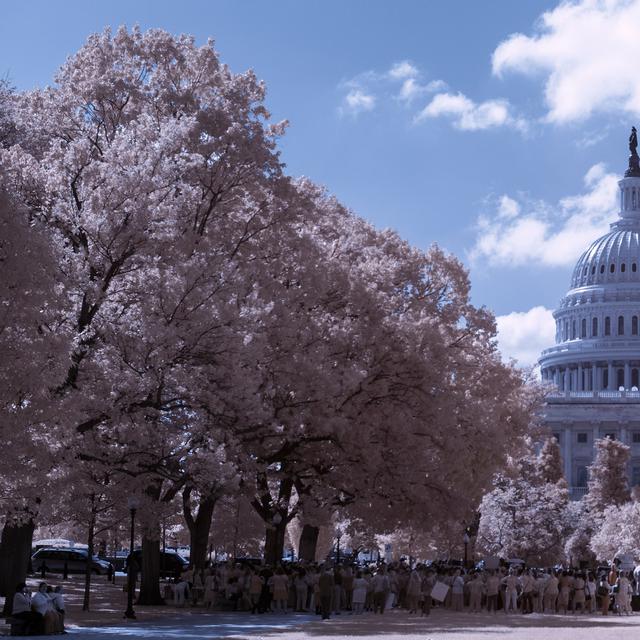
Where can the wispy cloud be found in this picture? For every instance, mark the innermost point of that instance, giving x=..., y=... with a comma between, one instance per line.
x=401, y=82
x=468, y=115
x=357, y=101
x=521, y=231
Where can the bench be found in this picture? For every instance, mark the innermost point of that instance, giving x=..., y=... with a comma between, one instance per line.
x=19, y=627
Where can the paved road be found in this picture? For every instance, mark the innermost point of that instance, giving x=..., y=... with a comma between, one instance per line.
x=396, y=625
x=195, y=626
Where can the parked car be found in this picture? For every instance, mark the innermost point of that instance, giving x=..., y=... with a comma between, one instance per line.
x=171, y=563
x=55, y=558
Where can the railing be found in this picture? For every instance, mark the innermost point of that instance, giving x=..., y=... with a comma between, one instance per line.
x=595, y=396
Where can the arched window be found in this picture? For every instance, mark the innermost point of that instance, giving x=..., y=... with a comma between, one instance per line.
x=583, y=329
x=634, y=326
x=593, y=269
x=607, y=326
x=612, y=268
x=620, y=325
x=623, y=267
x=620, y=378
x=601, y=268
x=634, y=267
x=594, y=327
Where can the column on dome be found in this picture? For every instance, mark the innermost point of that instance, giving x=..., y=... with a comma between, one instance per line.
x=579, y=385
x=567, y=379
x=627, y=376
x=610, y=381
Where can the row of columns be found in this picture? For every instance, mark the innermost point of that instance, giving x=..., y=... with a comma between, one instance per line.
x=590, y=376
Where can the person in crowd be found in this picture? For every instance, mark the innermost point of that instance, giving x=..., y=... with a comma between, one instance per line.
x=492, y=587
x=510, y=584
x=359, y=595
x=301, y=588
x=564, y=587
x=209, y=589
x=476, y=589
x=551, y=592
x=527, y=585
x=256, y=582
x=381, y=590
x=579, y=593
x=427, y=585
x=326, y=586
x=604, y=593
x=180, y=591
x=279, y=584
x=413, y=590
x=622, y=594
x=347, y=587
x=457, y=591
x=590, y=592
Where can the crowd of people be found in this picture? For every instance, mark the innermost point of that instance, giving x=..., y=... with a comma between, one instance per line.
x=329, y=589
x=39, y=613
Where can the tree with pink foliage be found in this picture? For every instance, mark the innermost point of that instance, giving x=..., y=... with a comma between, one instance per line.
x=608, y=484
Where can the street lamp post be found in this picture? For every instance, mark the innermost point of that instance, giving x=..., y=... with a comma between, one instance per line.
x=466, y=541
x=338, y=549
x=133, y=504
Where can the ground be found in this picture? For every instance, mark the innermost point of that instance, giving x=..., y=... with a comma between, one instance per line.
x=105, y=622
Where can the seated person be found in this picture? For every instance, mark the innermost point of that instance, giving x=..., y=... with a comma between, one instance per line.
x=22, y=609
x=42, y=605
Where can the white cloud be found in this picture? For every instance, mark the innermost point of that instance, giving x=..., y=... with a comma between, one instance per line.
x=587, y=50
x=357, y=101
x=469, y=115
x=523, y=335
x=370, y=88
x=402, y=70
x=533, y=232
x=411, y=89
x=508, y=207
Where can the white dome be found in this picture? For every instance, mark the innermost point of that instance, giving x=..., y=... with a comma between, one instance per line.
x=615, y=257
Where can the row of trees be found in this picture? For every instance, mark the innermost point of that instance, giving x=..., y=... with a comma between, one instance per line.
x=529, y=514
x=183, y=321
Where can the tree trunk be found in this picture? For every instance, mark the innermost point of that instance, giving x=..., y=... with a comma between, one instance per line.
x=199, y=527
x=15, y=553
x=150, y=579
x=86, y=601
x=274, y=543
x=308, y=543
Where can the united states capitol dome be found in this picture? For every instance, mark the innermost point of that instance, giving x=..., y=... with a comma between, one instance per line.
x=597, y=346
x=594, y=366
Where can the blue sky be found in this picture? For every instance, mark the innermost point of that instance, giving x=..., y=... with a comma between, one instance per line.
x=433, y=118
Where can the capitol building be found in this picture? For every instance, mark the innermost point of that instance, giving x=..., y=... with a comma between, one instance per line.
x=595, y=363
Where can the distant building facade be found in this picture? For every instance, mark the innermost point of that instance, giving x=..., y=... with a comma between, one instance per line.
x=595, y=363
